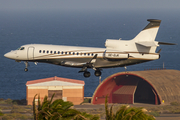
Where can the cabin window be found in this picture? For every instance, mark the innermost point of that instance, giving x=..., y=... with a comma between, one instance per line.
x=66, y=53
x=51, y=52
x=73, y=53
x=62, y=52
x=69, y=52
x=48, y=51
x=58, y=52
x=43, y=51
x=54, y=52
x=88, y=54
x=92, y=54
x=22, y=48
x=39, y=51
x=84, y=53
x=77, y=53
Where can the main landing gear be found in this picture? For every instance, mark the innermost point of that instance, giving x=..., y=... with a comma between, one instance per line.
x=87, y=74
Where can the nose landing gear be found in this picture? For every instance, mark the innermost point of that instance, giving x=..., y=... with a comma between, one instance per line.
x=27, y=64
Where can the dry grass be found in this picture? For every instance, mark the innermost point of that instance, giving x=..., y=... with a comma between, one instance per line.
x=25, y=111
x=20, y=112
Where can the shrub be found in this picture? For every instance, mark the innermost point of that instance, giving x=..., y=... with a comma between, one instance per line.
x=1, y=114
x=17, y=116
x=8, y=101
x=18, y=109
x=154, y=113
x=175, y=103
x=1, y=99
x=86, y=100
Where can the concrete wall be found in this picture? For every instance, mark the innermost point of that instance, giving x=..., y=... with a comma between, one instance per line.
x=74, y=94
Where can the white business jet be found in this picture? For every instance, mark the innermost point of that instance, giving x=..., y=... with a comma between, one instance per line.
x=118, y=53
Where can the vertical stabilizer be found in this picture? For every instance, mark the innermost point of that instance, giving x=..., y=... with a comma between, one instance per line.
x=149, y=32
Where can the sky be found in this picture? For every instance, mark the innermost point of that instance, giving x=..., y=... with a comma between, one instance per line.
x=23, y=5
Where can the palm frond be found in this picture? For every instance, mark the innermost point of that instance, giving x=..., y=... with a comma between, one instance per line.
x=34, y=108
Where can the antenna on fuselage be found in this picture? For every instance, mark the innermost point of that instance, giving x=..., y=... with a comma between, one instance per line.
x=125, y=68
x=99, y=79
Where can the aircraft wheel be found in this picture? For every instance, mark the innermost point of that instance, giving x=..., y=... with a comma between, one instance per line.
x=25, y=69
x=97, y=73
x=87, y=74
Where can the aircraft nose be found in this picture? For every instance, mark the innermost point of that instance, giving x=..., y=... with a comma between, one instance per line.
x=7, y=55
x=10, y=55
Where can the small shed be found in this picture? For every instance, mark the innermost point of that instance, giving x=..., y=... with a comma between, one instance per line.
x=66, y=89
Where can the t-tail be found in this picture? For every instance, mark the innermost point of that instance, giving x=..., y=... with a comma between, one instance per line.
x=144, y=42
x=147, y=36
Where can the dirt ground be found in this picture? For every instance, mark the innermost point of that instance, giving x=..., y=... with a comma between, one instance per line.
x=101, y=107
x=168, y=117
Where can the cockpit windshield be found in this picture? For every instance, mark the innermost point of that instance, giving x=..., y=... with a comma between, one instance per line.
x=21, y=48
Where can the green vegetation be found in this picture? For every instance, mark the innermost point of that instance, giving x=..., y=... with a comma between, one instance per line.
x=127, y=113
x=13, y=116
x=1, y=114
x=58, y=110
x=175, y=103
x=14, y=109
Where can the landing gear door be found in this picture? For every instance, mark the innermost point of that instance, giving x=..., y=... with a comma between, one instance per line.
x=30, y=54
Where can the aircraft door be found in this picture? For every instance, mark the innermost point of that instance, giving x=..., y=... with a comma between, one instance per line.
x=30, y=54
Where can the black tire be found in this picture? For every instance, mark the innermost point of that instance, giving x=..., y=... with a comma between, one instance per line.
x=25, y=69
x=97, y=73
x=87, y=74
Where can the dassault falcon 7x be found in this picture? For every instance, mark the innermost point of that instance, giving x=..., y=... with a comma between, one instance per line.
x=118, y=53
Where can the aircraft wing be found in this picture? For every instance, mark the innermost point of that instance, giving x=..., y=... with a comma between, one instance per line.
x=72, y=63
x=89, y=64
x=84, y=65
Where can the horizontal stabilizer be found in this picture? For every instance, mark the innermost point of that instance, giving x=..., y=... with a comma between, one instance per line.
x=164, y=43
x=147, y=43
